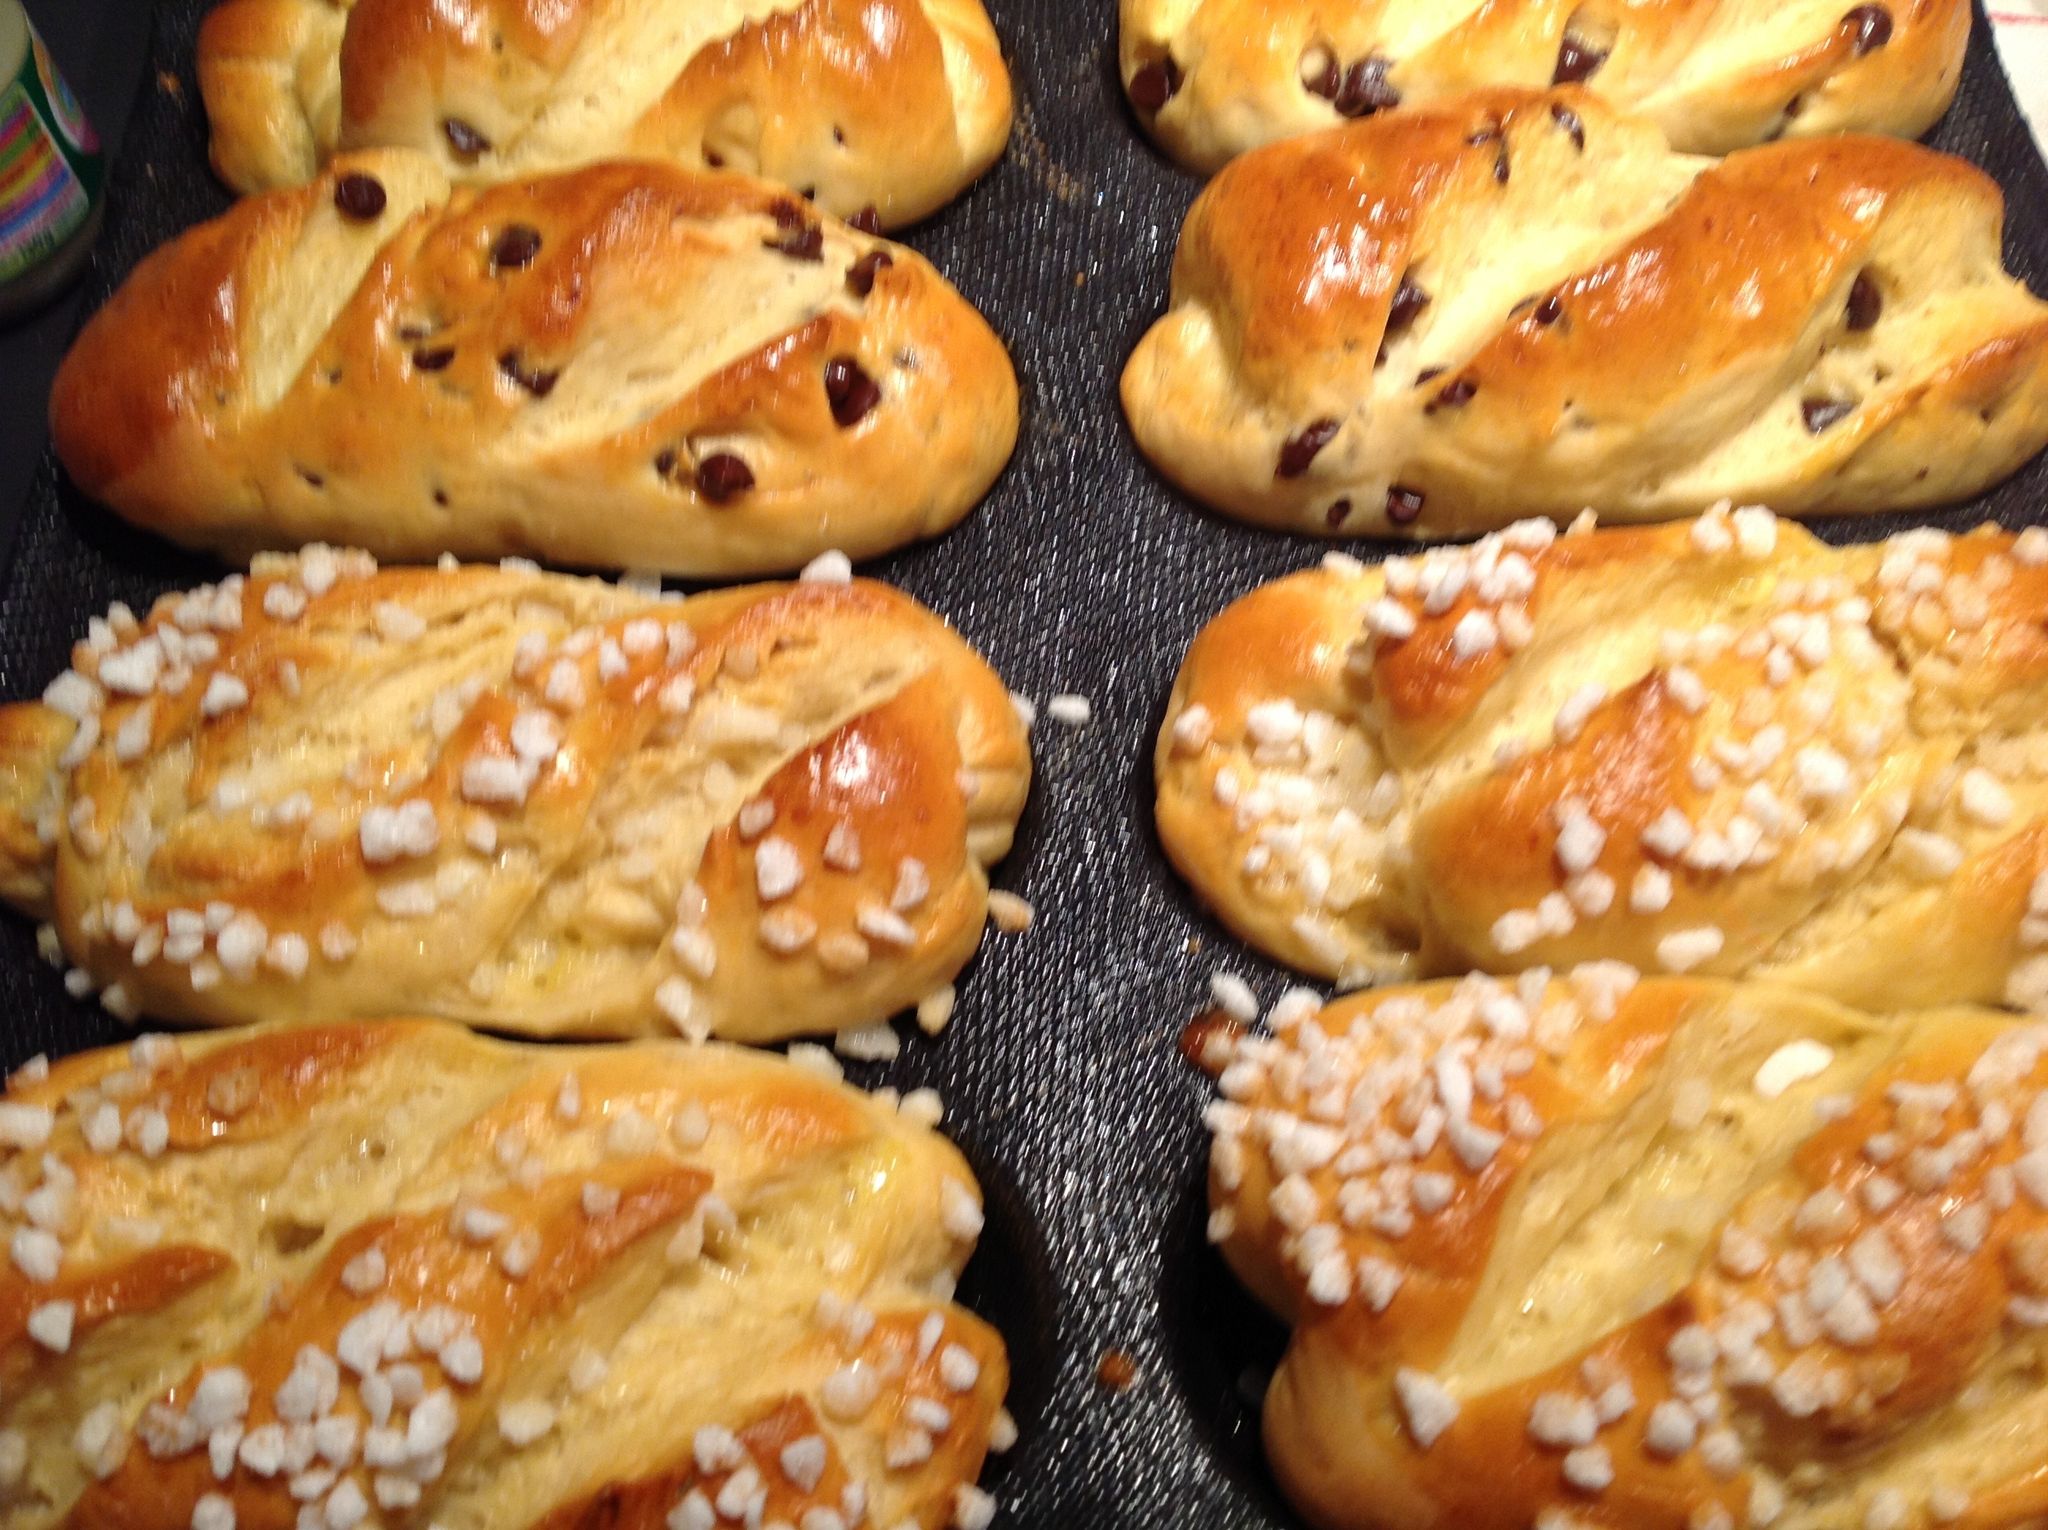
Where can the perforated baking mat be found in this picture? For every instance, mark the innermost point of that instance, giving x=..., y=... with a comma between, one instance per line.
x=1083, y=573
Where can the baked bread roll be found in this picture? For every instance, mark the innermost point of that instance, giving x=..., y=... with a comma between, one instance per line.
x=1213, y=78
x=535, y=804
x=893, y=106
x=1438, y=321
x=630, y=366
x=1678, y=1253
x=397, y=1275
x=1715, y=747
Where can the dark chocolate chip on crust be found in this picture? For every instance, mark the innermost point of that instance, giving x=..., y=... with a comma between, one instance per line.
x=850, y=391
x=539, y=383
x=1302, y=449
x=860, y=276
x=722, y=477
x=515, y=248
x=1404, y=505
x=465, y=140
x=359, y=197
x=1821, y=414
x=1156, y=84
x=1870, y=27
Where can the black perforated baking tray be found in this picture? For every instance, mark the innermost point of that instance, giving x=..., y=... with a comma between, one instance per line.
x=1082, y=573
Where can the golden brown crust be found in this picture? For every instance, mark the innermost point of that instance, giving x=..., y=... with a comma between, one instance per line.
x=535, y=803
x=546, y=368
x=464, y=1282
x=1715, y=77
x=894, y=105
x=1523, y=303
x=1592, y=1252
x=1716, y=746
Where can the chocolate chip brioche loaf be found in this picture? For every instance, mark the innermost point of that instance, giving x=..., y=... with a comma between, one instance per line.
x=531, y=803
x=396, y=1275
x=889, y=106
x=1716, y=747
x=1652, y=1255
x=630, y=366
x=1441, y=320
x=1213, y=78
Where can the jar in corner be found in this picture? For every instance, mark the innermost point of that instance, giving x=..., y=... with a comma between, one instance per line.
x=51, y=173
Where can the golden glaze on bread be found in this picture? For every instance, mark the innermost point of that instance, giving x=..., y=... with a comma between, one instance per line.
x=1436, y=322
x=895, y=105
x=1717, y=746
x=567, y=367
x=1715, y=75
x=411, y=1277
x=1648, y=1256
x=532, y=803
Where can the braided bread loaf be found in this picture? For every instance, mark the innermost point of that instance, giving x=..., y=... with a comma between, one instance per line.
x=396, y=1275
x=1588, y=1252
x=628, y=366
x=1718, y=747
x=889, y=106
x=1440, y=320
x=1213, y=78
x=530, y=803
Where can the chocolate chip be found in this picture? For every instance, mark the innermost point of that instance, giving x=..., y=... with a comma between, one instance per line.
x=1576, y=61
x=722, y=477
x=1872, y=25
x=1568, y=119
x=516, y=247
x=1155, y=84
x=1337, y=514
x=539, y=384
x=1823, y=413
x=1324, y=82
x=1454, y=395
x=860, y=276
x=798, y=237
x=1300, y=453
x=1549, y=311
x=435, y=359
x=1491, y=133
x=1366, y=89
x=464, y=139
x=1409, y=301
x=851, y=392
x=867, y=220
x=1404, y=505
x=359, y=196
x=1865, y=303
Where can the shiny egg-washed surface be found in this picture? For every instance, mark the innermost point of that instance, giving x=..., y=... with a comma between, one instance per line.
x=1083, y=573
